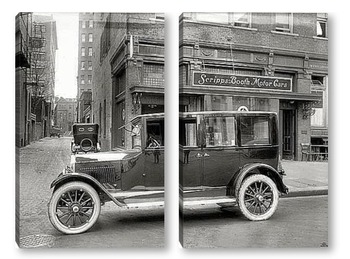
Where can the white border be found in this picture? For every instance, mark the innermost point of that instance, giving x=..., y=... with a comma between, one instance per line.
x=338, y=124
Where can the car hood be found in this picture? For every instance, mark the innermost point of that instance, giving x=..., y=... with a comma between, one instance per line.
x=110, y=156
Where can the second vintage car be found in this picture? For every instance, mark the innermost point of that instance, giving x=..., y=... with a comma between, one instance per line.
x=85, y=138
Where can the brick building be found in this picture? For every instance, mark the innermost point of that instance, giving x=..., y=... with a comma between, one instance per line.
x=259, y=61
x=65, y=113
x=85, y=67
x=128, y=72
x=36, y=45
x=23, y=111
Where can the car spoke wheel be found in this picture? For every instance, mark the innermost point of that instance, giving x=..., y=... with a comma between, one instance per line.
x=258, y=197
x=74, y=208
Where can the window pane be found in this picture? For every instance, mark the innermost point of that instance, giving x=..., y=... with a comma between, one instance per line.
x=321, y=29
x=213, y=17
x=155, y=132
x=220, y=131
x=153, y=74
x=254, y=131
x=282, y=21
x=241, y=19
x=188, y=133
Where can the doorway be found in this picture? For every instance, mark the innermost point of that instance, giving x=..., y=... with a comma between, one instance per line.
x=287, y=126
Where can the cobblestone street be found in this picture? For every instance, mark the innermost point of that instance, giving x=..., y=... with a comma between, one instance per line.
x=39, y=165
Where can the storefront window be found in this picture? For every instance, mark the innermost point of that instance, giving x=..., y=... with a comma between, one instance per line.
x=233, y=103
x=319, y=87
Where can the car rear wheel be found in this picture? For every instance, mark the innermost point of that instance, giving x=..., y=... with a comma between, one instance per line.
x=74, y=208
x=258, y=197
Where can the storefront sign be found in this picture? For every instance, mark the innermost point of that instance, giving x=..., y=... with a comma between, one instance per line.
x=242, y=81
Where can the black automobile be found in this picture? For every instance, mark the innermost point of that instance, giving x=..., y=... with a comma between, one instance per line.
x=130, y=178
x=85, y=138
x=231, y=158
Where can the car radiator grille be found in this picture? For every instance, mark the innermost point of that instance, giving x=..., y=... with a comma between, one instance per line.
x=103, y=174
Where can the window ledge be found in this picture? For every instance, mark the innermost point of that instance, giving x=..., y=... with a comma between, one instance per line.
x=320, y=38
x=285, y=33
x=244, y=28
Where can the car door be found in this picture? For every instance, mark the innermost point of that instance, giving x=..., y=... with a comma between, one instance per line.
x=190, y=154
x=221, y=154
x=154, y=153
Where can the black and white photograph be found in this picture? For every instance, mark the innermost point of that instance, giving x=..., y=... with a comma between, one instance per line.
x=175, y=129
x=253, y=130
x=89, y=130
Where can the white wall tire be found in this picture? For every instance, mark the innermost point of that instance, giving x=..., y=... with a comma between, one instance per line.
x=258, y=197
x=74, y=208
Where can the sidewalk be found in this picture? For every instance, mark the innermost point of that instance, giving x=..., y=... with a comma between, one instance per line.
x=306, y=178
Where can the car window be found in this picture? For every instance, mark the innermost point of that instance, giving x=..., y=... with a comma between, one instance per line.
x=155, y=133
x=220, y=131
x=254, y=131
x=188, y=132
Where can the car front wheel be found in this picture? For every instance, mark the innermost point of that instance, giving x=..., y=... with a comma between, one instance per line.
x=74, y=208
x=258, y=197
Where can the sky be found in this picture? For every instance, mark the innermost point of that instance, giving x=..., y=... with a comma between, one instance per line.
x=67, y=25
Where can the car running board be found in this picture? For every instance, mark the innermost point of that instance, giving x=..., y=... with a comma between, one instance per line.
x=223, y=201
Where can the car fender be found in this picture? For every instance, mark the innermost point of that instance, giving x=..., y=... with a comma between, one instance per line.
x=256, y=168
x=65, y=178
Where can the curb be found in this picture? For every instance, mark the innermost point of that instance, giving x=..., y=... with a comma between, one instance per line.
x=306, y=192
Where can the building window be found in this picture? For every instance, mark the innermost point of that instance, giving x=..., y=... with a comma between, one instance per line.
x=83, y=65
x=212, y=17
x=91, y=24
x=83, y=52
x=183, y=74
x=90, y=65
x=83, y=37
x=89, y=79
x=242, y=20
x=153, y=74
x=322, y=25
x=284, y=22
x=160, y=17
x=90, y=52
x=319, y=87
x=83, y=24
x=82, y=79
x=90, y=37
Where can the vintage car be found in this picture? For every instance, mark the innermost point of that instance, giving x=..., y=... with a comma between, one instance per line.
x=230, y=158
x=55, y=132
x=125, y=177
x=85, y=138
